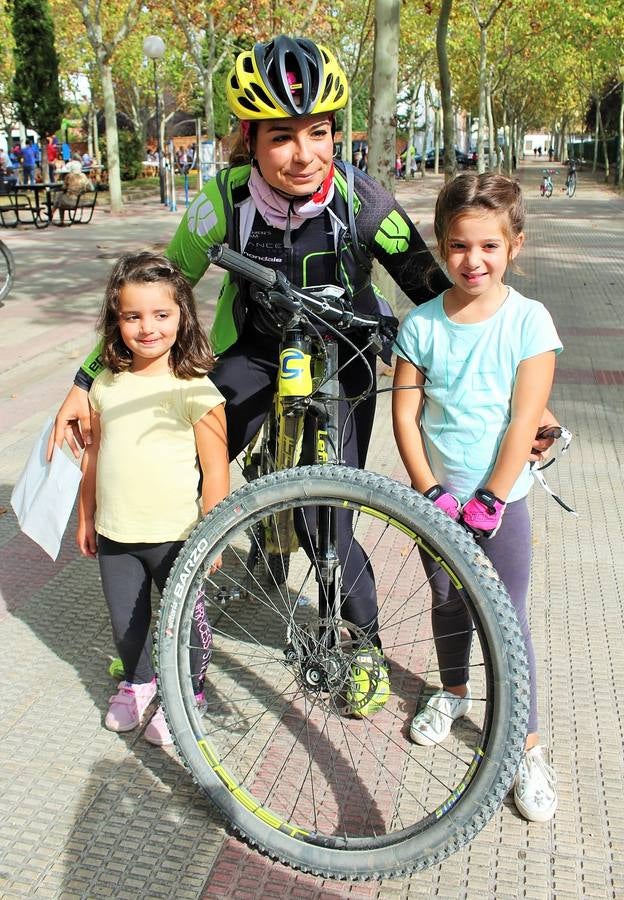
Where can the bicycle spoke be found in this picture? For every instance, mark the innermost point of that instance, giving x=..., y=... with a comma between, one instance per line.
x=298, y=725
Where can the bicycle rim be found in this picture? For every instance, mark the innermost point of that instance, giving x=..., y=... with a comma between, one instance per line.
x=276, y=747
x=8, y=271
x=572, y=187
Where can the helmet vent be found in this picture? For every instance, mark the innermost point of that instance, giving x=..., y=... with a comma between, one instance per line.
x=328, y=87
x=261, y=94
x=247, y=104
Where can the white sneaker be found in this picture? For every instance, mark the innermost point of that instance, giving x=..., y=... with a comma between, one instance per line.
x=433, y=724
x=534, y=787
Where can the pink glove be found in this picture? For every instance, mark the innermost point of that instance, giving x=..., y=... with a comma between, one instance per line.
x=444, y=501
x=482, y=514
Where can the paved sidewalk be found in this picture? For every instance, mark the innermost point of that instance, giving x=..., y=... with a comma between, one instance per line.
x=85, y=813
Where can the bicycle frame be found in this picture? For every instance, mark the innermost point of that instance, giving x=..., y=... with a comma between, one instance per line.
x=307, y=390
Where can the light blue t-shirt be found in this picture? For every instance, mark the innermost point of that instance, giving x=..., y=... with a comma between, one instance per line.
x=472, y=370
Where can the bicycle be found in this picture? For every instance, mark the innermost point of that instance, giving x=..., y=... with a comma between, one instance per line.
x=546, y=185
x=280, y=745
x=7, y=271
x=570, y=185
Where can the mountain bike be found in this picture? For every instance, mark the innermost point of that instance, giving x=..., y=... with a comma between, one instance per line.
x=7, y=271
x=283, y=745
x=546, y=185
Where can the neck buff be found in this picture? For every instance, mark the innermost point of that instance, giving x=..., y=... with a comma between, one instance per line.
x=285, y=212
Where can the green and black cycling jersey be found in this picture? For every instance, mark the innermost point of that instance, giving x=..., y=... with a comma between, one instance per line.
x=320, y=251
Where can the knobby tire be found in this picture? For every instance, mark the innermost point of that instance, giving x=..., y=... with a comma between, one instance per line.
x=275, y=747
x=8, y=271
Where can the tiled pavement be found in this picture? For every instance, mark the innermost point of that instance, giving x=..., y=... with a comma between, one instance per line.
x=87, y=814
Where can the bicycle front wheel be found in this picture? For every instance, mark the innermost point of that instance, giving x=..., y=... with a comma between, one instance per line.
x=280, y=746
x=7, y=270
x=572, y=185
x=548, y=189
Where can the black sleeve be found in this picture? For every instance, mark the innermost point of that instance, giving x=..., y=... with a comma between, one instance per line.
x=82, y=380
x=391, y=237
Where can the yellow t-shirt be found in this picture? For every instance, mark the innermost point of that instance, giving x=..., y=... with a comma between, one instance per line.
x=147, y=470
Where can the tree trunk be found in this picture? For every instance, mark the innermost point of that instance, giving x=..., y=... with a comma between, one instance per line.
x=382, y=123
x=596, y=135
x=605, y=146
x=347, y=131
x=482, y=100
x=208, y=104
x=96, y=138
x=507, y=144
x=112, y=142
x=90, y=146
x=411, y=129
x=450, y=160
x=423, y=167
x=619, y=176
x=493, y=143
x=437, y=127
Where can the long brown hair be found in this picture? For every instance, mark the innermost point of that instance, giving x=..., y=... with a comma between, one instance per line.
x=191, y=355
x=242, y=150
x=470, y=193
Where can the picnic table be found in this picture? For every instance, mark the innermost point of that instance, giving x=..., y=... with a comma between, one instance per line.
x=37, y=211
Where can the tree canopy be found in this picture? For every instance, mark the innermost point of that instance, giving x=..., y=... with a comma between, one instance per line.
x=35, y=80
x=548, y=65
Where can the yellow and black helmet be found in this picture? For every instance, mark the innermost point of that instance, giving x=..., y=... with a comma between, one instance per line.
x=286, y=77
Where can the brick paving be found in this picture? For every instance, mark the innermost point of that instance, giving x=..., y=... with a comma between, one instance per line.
x=85, y=813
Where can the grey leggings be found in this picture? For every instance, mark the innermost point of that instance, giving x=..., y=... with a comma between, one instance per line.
x=510, y=552
x=127, y=573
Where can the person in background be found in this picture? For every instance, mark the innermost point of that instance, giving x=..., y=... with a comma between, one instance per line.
x=480, y=359
x=52, y=157
x=66, y=151
x=75, y=183
x=8, y=178
x=28, y=162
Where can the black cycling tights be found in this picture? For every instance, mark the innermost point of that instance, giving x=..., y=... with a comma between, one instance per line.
x=127, y=573
x=246, y=376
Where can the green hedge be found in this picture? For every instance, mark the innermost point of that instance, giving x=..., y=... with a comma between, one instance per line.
x=586, y=150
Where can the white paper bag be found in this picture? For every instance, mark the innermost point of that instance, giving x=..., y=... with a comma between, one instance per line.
x=44, y=495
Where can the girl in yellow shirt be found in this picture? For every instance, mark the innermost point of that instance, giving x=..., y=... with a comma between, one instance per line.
x=158, y=424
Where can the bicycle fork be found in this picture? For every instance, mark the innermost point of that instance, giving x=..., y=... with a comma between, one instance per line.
x=325, y=410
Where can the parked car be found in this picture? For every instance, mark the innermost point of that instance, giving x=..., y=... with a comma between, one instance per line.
x=463, y=160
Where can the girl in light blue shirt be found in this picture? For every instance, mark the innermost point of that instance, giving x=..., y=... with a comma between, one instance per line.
x=482, y=358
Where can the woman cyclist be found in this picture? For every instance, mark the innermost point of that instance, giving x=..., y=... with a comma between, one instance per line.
x=284, y=202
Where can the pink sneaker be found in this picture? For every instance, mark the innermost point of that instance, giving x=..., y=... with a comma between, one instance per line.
x=157, y=731
x=127, y=707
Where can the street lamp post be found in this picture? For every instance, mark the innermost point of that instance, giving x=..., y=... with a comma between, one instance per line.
x=154, y=48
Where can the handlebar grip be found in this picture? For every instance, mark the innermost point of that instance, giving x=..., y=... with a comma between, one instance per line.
x=240, y=265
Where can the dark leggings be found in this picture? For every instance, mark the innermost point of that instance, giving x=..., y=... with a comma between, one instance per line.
x=127, y=573
x=510, y=553
x=246, y=376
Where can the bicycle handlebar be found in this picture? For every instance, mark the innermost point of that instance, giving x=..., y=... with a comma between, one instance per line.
x=280, y=292
x=235, y=262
